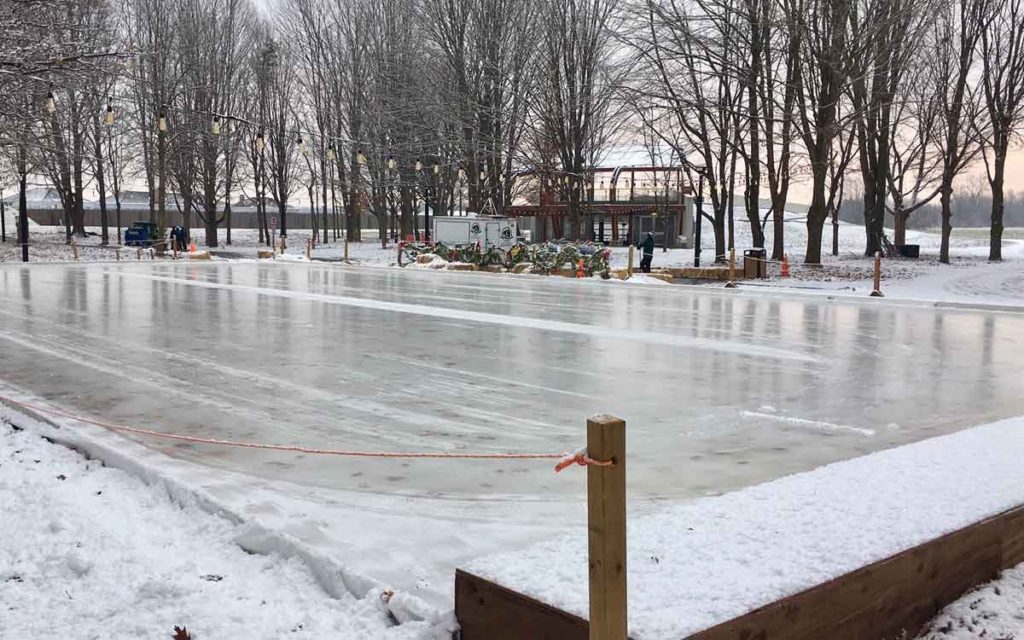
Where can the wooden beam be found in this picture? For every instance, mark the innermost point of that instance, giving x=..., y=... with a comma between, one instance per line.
x=879, y=601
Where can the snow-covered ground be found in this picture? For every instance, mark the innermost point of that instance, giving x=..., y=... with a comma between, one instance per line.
x=695, y=565
x=89, y=551
x=970, y=279
x=994, y=611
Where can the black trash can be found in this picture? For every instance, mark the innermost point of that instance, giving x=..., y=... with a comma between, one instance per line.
x=754, y=264
x=909, y=250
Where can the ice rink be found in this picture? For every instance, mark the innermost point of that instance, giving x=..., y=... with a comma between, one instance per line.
x=719, y=388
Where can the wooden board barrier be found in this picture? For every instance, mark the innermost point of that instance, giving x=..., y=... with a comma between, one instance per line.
x=880, y=601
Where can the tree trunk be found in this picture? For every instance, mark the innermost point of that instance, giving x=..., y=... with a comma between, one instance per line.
x=816, y=214
x=778, y=226
x=161, y=188
x=406, y=214
x=945, y=199
x=995, y=248
x=835, y=231
x=101, y=186
x=900, y=225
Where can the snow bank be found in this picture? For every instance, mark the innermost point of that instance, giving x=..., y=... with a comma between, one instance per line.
x=696, y=565
x=90, y=551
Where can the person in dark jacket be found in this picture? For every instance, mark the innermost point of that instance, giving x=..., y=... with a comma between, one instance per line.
x=646, y=252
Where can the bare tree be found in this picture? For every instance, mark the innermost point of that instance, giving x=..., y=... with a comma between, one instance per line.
x=892, y=30
x=958, y=26
x=579, y=113
x=1002, y=55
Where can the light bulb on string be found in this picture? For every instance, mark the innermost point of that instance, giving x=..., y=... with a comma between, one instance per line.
x=483, y=176
x=391, y=162
x=161, y=123
x=51, y=103
x=418, y=166
x=330, y=153
x=360, y=158
x=261, y=144
x=108, y=118
x=215, y=127
x=437, y=169
x=301, y=144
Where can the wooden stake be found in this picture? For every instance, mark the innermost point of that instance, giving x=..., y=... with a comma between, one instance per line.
x=629, y=269
x=346, y=248
x=606, y=521
x=309, y=249
x=117, y=252
x=139, y=252
x=74, y=248
x=732, y=269
x=877, y=292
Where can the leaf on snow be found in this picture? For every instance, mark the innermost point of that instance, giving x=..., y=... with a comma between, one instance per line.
x=181, y=633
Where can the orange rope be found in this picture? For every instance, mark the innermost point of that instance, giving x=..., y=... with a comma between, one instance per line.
x=565, y=460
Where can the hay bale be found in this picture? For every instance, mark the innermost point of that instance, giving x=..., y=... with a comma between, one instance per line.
x=199, y=255
x=264, y=254
x=523, y=267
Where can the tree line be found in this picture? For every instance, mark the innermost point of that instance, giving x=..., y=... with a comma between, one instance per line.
x=383, y=105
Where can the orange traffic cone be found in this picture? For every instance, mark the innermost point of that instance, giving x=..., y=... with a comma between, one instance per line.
x=579, y=269
x=192, y=247
x=785, y=266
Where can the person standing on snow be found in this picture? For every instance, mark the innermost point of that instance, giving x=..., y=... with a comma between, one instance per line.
x=647, y=252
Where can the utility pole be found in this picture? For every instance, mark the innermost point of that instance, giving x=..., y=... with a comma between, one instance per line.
x=23, y=201
x=700, y=215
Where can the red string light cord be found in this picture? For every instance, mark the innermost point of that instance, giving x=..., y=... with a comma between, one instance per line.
x=564, y=460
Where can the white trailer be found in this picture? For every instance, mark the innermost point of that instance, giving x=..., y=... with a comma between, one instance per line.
x=487, y=232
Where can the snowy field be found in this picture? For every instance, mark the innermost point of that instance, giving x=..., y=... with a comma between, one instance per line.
x=970, y=279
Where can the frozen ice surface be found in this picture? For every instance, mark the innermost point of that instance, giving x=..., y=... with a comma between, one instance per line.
x=379, y=359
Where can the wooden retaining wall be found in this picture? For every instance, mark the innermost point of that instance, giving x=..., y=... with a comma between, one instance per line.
x=880, y=601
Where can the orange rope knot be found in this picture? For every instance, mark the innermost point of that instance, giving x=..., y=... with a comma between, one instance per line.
x=582, y=459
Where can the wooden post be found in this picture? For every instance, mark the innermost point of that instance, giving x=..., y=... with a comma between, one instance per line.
x=629, y=269
x=117, y=253
x=74, y=248
x=877, y=292
x=346, y=246
x=309, y=249
x=732, y=269
x=606, y=522
x=139, y=253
